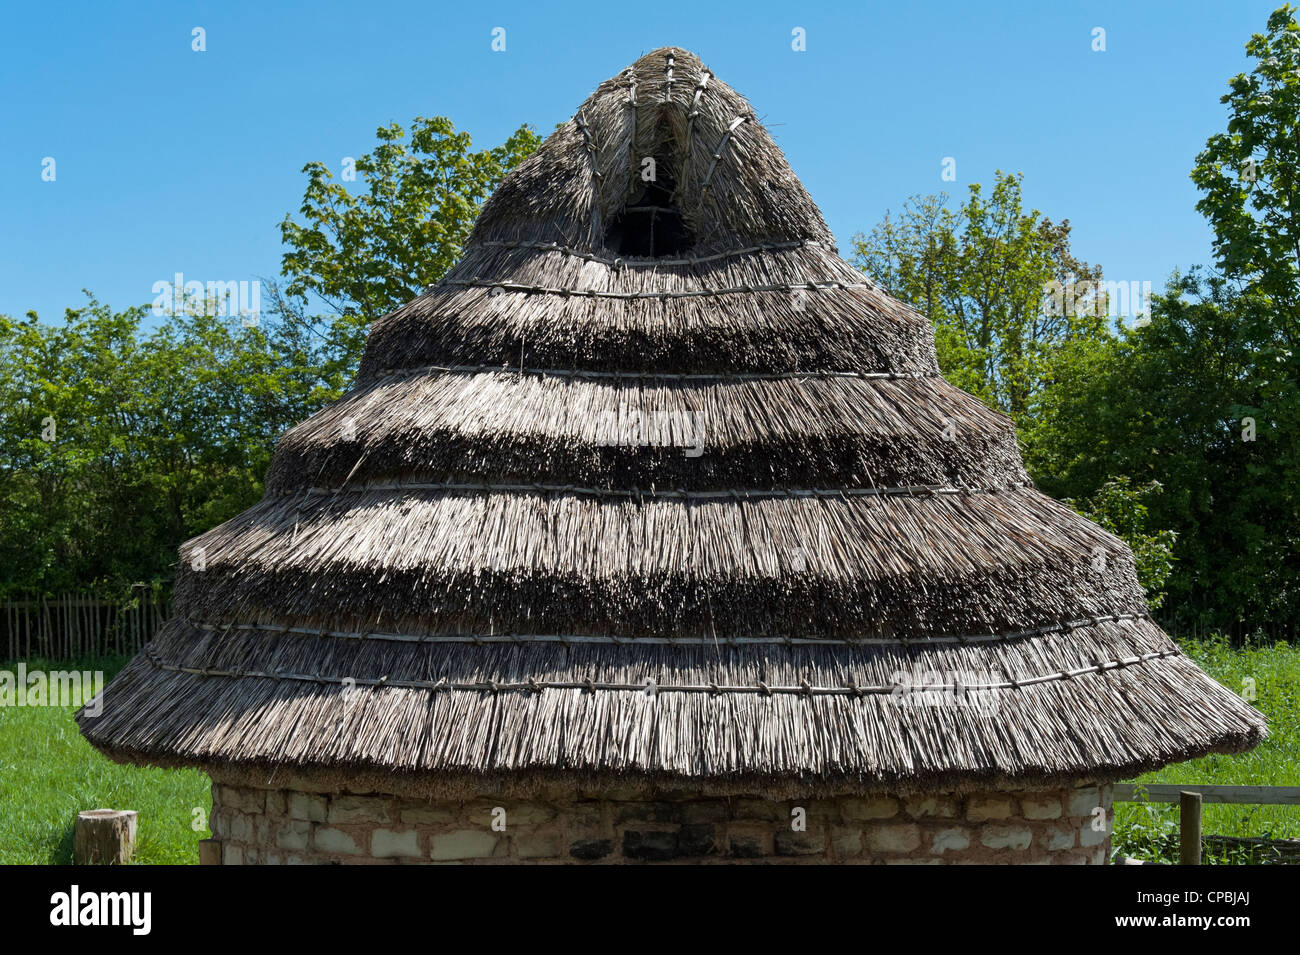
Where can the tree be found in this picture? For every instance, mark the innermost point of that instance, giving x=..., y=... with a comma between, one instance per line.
x=1123, y=510
x=999, y=284
x=117, y=445
x=362, y=255
x=1192, y=403
x=1250, y=175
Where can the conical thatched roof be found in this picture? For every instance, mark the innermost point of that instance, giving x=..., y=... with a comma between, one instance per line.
x=693, y=517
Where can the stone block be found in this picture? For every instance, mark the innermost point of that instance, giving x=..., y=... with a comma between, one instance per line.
x=589, y=849
x=639, y=812
x=241, y=827
x=349, y=809
x=1006, y=837
x=715, y=810
x=1041, y=805
x=244, y=800
x=768, y=810
x=425, y=816
x=390, y=844
x=955, y=839
x=788, y=843
x=307, y=806
x=870, y=807
x=1059, y=838
x=931, y=807
x=899, y=838
x=1088, y=836
x=336, y=842
x=697, y=839
x=293, y=834
x=982, y=808
x=527, y=814
x=749, y=845
x=464, y=844
x=846, y=841
x=1084, y=801
x=650, y=845
x=537, y=845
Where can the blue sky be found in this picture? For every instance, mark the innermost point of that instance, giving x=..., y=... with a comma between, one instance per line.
x=168, y=160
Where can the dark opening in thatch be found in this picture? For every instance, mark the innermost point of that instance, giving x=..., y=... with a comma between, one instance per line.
x=651, y=225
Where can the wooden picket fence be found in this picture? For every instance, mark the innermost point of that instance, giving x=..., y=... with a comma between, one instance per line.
x=73, y=626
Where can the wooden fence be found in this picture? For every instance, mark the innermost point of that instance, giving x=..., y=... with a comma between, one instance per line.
x=1189, y=799
x=77, y=625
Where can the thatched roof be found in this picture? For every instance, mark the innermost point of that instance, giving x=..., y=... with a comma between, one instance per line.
x=654, y=483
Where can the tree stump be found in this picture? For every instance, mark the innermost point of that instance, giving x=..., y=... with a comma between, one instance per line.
x=104, y=837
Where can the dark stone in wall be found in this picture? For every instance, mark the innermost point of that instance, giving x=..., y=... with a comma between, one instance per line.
x=650, y=846
x=587, y=849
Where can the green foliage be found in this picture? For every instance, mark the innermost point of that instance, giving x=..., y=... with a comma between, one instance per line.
x=1201, y=403
x=1120, y=508
x=1013, y=311
x=117, y=445
x=1205, y=400
x=363, y=254
x=1197, y=402
x=991, y=278
x=1250, y=173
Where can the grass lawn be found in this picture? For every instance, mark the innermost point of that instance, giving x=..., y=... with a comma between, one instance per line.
x=48, y=773
x=1150, y=830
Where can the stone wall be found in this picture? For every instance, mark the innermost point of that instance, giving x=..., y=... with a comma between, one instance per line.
x=286, y=826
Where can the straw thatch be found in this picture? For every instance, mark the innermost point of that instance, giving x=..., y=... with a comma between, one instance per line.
x=654, y=483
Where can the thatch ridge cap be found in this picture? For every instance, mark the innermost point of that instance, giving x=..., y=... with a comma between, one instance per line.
x=666, y=107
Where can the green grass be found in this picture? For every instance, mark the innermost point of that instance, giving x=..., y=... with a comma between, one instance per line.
x=48, y=774
x=1150, y=830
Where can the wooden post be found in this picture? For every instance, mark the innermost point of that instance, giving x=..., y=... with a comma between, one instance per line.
x=1189, y=828
x=104, y=837
x=209, y=852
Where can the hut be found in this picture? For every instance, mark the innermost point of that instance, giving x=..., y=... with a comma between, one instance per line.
x=652, y=532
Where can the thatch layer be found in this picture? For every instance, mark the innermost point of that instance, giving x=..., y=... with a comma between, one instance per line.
x=271, y=699
x=592, y=432
x=831, y=328
x=730, y=469
x=517, y=562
